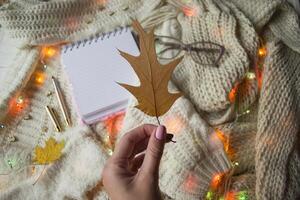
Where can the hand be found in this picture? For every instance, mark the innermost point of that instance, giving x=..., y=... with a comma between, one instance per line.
x=131, y=174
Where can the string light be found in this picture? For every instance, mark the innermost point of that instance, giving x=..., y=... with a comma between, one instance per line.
x=250, y=75
x=102, y=2
x=174, y=124
x=49, y=52
x=190, y=183
x=17, y=105
x=224, y=139
x=230, y=195
x=189, y=11
x=232, y=93
x=11, y=163
x=209, y=195
x=243, y=195
x=40, y=78
x=2, y=126
x=216, y=181
x=236, y=164
x=113, y=124
x=262, y=51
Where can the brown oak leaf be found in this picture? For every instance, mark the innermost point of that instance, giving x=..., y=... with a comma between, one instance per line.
x=153, y=96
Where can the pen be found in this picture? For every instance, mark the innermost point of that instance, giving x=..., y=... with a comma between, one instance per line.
x=61, y=101
x=53, y=118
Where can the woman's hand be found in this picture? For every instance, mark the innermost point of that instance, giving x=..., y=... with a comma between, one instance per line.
x=131, y=174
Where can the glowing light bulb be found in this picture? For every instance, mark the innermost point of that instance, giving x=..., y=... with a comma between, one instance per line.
x=102, y=2
x=224, y=139
x=250, y=75
x=232, y=93
x=190, y=183
x=20, y=100
x=216, y=181
x=17, y=105
x=189, y=11
x=40, y=78
x=230, y=195
x=243, y=195
x=174, y=124
x=209, y=195
x=262, y=52
x=49, y=52
x=11, y=163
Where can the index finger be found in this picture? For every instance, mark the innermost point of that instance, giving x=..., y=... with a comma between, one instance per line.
x=128, y=142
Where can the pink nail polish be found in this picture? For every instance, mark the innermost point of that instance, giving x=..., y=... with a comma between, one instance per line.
x=160, y=132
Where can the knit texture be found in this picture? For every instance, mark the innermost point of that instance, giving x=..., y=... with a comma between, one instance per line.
x=263, y=142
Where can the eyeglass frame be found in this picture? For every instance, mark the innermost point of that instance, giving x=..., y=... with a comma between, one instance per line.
x=189, y=47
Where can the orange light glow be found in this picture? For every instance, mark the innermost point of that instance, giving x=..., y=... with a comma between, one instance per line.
x=71, y=23
x=232, y=94
x=216, y=181
x=17, y=105
x=49, y=52
x=190, y=183
x=174, y=124
x=259, y=76
x=223, y=138
x=113, y=125
x=262, y=52
x=188, y=11
x=230, y=195
x=39, y=78
x=102, y=2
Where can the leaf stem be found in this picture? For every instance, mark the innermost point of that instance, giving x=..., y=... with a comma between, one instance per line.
x=157, y=120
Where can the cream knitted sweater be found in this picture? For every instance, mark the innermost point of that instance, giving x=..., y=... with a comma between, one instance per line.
x=264, y=141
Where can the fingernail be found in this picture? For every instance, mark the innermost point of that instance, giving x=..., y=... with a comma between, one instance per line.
x=160, y=132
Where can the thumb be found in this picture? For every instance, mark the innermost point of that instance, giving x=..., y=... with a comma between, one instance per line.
x=154, y=151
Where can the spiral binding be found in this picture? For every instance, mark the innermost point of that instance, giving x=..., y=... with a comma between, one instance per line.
x=94, y=39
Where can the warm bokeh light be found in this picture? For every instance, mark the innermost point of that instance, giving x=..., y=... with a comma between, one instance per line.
x=262, y=52
x=232, y=94
x=216, y=181
x=189, y=12
x=71, y=23
x=174, y=123
x=113, y=125
x=190, y=183
x=17, y=104
x=39, y=78
x=224, y=139
x=250, y=75
x=231, y=195
x=49, y=52
x=101, y=2
x=226, y=143
x=242, y=195
x=259, y=76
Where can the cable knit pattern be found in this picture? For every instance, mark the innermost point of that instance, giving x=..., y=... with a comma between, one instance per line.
x=278, y=121
x=263, y=141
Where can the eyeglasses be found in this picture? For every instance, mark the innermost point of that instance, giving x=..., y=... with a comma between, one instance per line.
x=204, y=53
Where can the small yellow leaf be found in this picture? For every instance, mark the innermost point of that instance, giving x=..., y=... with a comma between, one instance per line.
x=50, y=153
x=153, y=96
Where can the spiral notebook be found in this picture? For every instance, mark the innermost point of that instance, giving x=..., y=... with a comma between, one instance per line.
x=94, y=67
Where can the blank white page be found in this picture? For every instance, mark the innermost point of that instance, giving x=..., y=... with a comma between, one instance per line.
x=94, y=69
